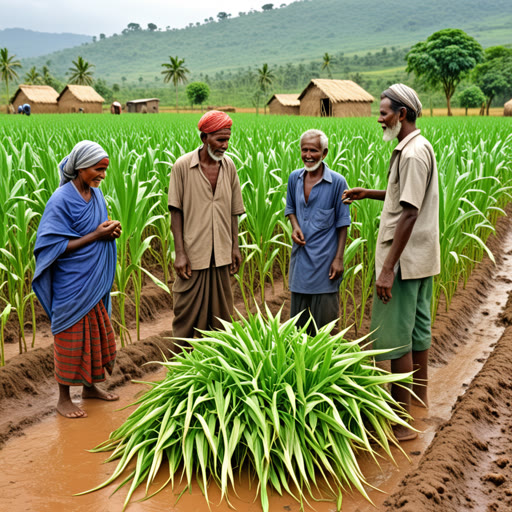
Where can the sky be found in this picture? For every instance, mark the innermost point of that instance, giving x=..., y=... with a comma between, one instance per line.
x=93, y=17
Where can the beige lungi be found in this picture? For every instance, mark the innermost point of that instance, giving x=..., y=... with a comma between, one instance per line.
x=201, y=300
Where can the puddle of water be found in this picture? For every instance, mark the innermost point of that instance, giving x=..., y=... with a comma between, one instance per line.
x=43, y=469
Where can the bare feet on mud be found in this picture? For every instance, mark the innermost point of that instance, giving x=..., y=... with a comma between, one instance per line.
x=404, y=434
x=96, y=392
x=68, y=409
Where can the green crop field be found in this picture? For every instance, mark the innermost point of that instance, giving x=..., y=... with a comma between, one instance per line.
x=474, y=158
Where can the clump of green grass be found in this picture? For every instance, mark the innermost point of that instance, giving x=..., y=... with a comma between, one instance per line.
x=292, y=408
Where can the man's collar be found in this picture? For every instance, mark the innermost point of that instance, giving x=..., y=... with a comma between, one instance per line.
x=327, y=176
x=404, y=141
x=194, y=161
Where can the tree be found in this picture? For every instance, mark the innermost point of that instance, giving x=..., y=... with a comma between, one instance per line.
x=265, y=79
x=101, y=87
x=494, y=75
x=197, y=93
x=102, y=36
x=444, y=59
x=133, y=27
x=33, y=77
x=94, y=39
x=152, y=27
x=267, y=7
x=81, y=72
x=175, y=72
x=223, y=16
x=327, y=64
x=472, y=97
x=8, y=68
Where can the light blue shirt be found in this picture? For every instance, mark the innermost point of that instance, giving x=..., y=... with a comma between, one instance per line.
x=319, y=220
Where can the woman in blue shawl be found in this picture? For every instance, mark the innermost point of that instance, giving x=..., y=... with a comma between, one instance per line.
x=75, y=267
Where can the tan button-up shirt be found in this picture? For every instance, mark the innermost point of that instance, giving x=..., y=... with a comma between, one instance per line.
x=412, y=179
x=206, y=216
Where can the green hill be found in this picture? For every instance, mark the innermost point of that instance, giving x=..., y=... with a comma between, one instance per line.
x=300, y=32
x=28, y=43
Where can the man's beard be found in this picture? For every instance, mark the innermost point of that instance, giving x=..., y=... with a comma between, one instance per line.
x=315, y=166
x=213, y=156
x=392, y=133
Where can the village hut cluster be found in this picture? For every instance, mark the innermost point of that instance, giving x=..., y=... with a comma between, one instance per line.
x=324, y=98
x=44, y=99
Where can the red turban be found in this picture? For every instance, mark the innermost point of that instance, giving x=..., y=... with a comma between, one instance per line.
x=214, y=121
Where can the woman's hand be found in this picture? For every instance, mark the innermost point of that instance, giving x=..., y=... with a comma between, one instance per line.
x=108, y=230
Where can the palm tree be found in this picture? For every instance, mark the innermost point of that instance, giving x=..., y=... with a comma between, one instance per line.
x=7, y=68
x=327, y=64
x=175, y=72
x=33, y=77
x=81, y=72
x=265, y=79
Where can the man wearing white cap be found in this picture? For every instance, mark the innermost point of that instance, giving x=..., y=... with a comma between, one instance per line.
x=407, y=254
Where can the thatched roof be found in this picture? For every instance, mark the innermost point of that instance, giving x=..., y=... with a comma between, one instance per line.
x=38, y=93
x=83, y=93
x=142, y=101
x=287, y=100
x=339, y=90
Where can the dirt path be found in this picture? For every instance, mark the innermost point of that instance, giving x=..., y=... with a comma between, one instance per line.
x=463, y=339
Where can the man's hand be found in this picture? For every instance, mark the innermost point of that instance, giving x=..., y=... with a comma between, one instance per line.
x=384, y=284
x=336, y=270
x=298, y=236
x=236, y=260
x=353, y=194
x=182, y=266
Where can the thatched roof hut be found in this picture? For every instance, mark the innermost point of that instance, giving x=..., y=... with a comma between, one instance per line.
x=41, y=98
x=146, y=106
x=335, y=98
x=507, y=111
x=76, y=97
x=284, y=104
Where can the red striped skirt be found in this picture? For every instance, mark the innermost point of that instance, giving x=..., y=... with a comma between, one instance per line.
x=83, y=352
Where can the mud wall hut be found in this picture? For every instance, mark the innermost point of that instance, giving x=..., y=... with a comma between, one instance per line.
x=76, y=97
x=335, y=98
x=284, y=105
x=507, y=111
x=41, y=98
x=146, y=106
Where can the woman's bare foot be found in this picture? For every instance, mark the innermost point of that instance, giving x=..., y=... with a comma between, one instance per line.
x=68, y=409
x=96, y=392
x=403, y=433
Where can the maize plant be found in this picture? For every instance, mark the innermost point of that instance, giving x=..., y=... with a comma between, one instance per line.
x=295, y=409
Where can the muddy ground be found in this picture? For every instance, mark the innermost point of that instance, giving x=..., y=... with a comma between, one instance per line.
x=468, y=465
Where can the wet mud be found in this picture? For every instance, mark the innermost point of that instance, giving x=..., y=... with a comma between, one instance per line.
x=466, y=467
x=469, y=463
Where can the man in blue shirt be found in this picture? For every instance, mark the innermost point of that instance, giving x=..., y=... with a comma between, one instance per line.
x=319, y=221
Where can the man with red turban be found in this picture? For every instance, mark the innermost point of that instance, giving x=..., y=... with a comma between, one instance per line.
x=205, y=200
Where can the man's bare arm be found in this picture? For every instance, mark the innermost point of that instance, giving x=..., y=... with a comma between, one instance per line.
x=181, y=263
x=358, y=193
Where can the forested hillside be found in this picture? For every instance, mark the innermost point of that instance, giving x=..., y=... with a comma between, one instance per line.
x=28, y=43
x=300, y=32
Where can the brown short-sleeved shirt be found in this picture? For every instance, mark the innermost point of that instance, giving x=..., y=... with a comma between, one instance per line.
x=206, y=217
x=412, y=179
